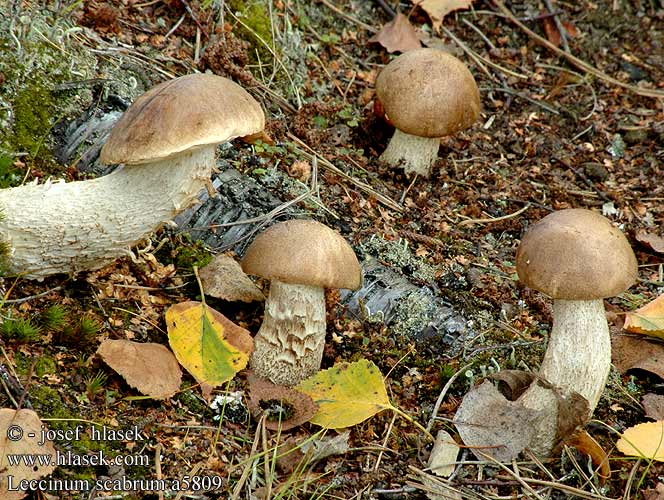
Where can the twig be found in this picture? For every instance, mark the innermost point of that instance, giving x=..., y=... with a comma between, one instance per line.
x=468, y=222
x=559, y=26
x=348, y=17
x=27, y=384
x=30, y=297
x=558, y=486
x=386, y=8
x=385, y=442
x=575, y=60
x=585, y=179
x=476, y=57
x=422, y=238
x=479, y=32
x=237, y=490
x=311, y=154
x=442, y=394
x=542, y=105
x=195, y=19
x=511, y=473
x=157, y=466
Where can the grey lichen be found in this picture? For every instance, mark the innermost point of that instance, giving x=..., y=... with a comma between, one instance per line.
x=399, y=257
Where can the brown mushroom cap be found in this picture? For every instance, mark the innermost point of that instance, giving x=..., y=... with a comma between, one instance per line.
x=187, y=112
x=428, y=93
x=303, y=252
x=576, y=254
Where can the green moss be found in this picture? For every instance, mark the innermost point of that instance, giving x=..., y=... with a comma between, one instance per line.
x=256, y=27
x=34, y=108
x=186, y=257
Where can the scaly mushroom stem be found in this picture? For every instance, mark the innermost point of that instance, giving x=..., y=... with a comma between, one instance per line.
x=578, y=358
x=59, y=227
x=416, y=153
x=289, y=345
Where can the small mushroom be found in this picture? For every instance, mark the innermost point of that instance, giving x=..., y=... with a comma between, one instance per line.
x=300, y=258
x=427, y=94
x=578, y=258
x=166, y=141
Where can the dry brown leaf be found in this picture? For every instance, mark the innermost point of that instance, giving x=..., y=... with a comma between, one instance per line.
x=648, y=319
x=264, y=394
x=438, y=9
x=397, y=36
x=224, y=279
x=656, y=494
x=505, y=434
x=443, y=455
x=294, y=451
x=150, y=368
x=27, y=427
x=513, y=383
x=651, y=240
x=585, y=443
x=653, y=404
x=628, y=352
x=552, y=33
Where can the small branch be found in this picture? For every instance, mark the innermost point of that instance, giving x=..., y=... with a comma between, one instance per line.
x=469, y=222
x=575, y=60
x=559, y=26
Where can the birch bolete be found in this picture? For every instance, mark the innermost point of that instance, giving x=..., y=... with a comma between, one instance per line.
x=166, y=142
x=578, y=258
x=300, y=258
x=427, y=94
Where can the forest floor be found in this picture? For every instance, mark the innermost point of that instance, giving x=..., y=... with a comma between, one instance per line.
x=552, y=134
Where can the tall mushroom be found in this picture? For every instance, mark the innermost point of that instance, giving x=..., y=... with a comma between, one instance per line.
x=578, y=258
x=166, y=141
x=427, y=94
x=300, y=258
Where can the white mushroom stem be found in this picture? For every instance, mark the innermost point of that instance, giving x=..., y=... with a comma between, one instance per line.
x=59, y=227
x=289, y=345
x=577, y=359
x=417, y=154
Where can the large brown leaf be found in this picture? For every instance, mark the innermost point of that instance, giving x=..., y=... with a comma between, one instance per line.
x=150, y=368
x=20, y=434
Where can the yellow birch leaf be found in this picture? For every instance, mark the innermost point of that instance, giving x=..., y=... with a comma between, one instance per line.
x=644, y=441
x=648, y=319
x=346, y=394
x=209, y=346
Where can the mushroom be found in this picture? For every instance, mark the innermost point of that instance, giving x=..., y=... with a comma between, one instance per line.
x=166, y=140
x=578, y=258
x=427, y=94
x=300, y=258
